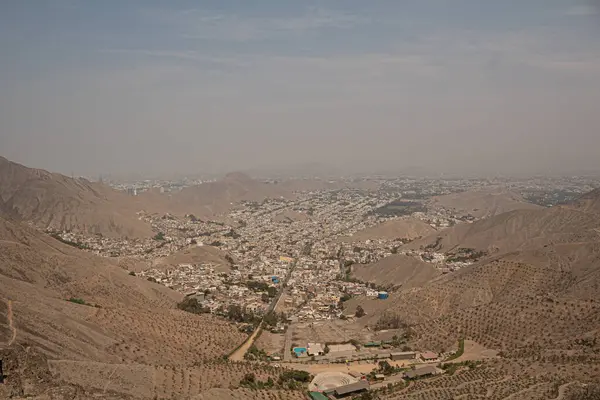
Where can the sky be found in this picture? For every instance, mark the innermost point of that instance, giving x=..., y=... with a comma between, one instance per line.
x=451, y=86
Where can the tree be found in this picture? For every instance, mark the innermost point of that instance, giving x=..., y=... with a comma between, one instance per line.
x=345, y=297
x=271, y=318
x=385, y=367
x=249, y=379
x=360, y=312
x=159, y=236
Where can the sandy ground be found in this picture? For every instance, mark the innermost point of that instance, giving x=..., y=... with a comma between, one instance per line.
x=364, y=367
x=272, y=343
x=475, y=352
x=238, y=355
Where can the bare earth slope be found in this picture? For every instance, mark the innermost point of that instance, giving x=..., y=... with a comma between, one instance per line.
x=217, y=197
x=407, y=228
x=517, y=230
x=538, y=300
x=482, y=203
x=126, y=323
x=548, y=297
x=397, y=270
x=55, y=201
x=198, y=255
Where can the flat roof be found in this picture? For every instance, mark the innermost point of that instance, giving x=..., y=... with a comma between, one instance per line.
x=317, y=396
x=353, y=387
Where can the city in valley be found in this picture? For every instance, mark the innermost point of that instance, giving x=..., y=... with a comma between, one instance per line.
x=299, y=200
x=312, y=277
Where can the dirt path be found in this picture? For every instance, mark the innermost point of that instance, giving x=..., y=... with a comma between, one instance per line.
x=238, y=355
x=562, y=390
x=11, y=325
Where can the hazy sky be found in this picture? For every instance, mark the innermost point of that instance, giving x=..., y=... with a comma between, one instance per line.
x=161, y=86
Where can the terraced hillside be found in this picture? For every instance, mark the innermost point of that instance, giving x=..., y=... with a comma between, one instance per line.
x=147, y=381
x=499, y=380
x=510, y=303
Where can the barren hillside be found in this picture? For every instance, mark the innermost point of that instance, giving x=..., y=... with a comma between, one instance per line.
x=398, y=271
x=589, y=202
x=58, y=202
x=481, y=203
x=544, y=301
x=198, y=255
x=406, y=228
x=113, y=317
x=518, y=230
x=289, y=216
x=219, y=196
x=536, y=300
x=541, y=297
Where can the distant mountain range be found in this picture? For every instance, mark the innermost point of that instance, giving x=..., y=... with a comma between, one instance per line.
x=54, y=201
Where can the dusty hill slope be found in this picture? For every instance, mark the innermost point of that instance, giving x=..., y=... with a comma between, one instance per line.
x=133, y=322
x=406, y=228
x=289, y=216
x=507, y=303
x=217, y=197
x=540, y=298
x=396, y=271
x=198, y=255
x=518, y=230
x=547, y=298
x=589, y=202
x=58, y=202
x=482, y=203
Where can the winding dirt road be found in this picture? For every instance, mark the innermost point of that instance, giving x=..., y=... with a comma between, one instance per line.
x=238, y=355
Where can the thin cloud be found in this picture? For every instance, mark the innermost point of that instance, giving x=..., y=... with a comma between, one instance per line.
x=204, y=24
x=581, y=11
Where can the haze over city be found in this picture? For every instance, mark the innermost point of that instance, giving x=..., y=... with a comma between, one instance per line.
x=291, y=200
x=489, y=87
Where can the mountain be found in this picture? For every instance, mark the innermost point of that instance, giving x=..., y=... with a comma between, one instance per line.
x=220, y=196
x=535, y=298
x=481, y=203
x=589, y=202
x=406, y=228
x=54, y=201
x=397, y=271
x=523, y=229
x=546, y=298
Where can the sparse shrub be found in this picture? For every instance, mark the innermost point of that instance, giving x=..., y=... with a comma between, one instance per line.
x=360, y=312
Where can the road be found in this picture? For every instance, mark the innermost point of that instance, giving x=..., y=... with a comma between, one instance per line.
x=11, y=324
x=238, y=355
